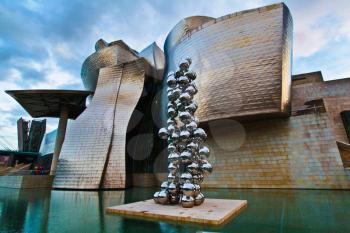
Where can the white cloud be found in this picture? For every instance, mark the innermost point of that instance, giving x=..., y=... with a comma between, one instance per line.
x=8, y=130
x=65, y=51
x=318, y=24
x=161, y=40
x=54, y=76
x=13, y=78
x=32, y=5
x=308, y=41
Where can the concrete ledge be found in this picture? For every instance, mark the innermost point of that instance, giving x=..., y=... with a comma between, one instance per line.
x=26, y=182
x=212, y=212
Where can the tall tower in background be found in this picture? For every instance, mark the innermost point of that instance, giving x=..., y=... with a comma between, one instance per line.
x=22, y=134
x=30, y=134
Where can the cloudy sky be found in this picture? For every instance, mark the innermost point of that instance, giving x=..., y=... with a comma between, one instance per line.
x=43, y=43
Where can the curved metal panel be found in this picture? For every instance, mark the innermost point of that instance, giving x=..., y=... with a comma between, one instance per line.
x=130, y=91
x=107, y=54
x=183, y=28
x=87, y=139
x=155, y=57
x=238, y=59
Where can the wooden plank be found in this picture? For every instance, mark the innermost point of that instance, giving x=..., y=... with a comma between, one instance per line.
x=211, y=212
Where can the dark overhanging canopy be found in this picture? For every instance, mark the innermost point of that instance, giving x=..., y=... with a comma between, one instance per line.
x=63, y=104
x=48, y=103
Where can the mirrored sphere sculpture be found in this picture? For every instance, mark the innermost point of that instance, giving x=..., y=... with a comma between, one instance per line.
x=187, y=156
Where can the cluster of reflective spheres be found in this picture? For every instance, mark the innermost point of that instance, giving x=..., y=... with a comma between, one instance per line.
x=187, y=155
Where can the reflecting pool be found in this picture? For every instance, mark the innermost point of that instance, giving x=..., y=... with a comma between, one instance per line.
x=268, y=211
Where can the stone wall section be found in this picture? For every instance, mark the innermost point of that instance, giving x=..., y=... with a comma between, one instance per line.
x=298, y=152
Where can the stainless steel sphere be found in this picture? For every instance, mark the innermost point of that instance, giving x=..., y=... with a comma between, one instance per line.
x=191, y=108
x=199, y=199
x=197, y=189
x=179, y=73
x=172, y=188
x=194, y=85
x=175, y=137
x=172, y=112
x=192, y=146
x=185, y=97
x=184, y=135
x=196, y=120
x=184, y=142
x=174, y=157
x=181, y=146
x=171, y=104
x=188, y=189
x=171, y=81
x=164, y=185
x=171, y=148
x=185, y=177
x=171, y=129
x=180, y=106
x=192, y=126
x=171, y=96
x=196, y=179
x=186, y=157
x=171, y=178
x=171, y=121
x=163, y=133
x=183, y=81
x=193, y=168
x=171, y=74
x=206, y=168
x=176, y=93
x=191, y=75
x=204, y=151
x=187, y=201
x=163, y=197
x=155, y=197
x=200, y=134
x=172, y=168
x=185, y=117
x=185, y=64
x=174, y=199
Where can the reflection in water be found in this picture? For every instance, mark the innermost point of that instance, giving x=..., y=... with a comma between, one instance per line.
x=24, y=211
x=84, y=211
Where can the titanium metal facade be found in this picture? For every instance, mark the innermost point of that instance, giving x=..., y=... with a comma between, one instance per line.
x=243, y=65
x=93, y=154
x=242, y=60
x=107, y=54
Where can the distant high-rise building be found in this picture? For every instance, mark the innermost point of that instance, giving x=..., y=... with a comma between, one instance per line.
x=22, y=134
x=30, y=134
x=36, y=134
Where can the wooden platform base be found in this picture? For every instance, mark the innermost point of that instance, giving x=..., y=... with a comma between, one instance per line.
x=211, y=212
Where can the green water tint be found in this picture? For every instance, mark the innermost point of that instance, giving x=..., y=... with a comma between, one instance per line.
x=268, y=211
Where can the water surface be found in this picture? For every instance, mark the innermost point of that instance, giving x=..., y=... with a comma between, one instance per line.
x=287, y=211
